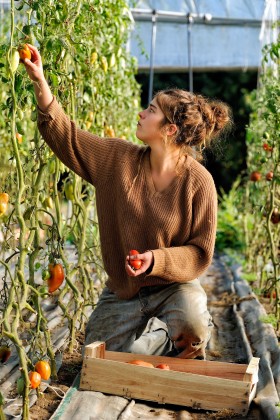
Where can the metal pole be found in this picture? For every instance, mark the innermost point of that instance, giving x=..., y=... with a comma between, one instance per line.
x=190, y=21
x=153, y=46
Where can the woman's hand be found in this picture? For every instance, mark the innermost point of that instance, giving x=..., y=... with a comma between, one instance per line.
x=35, y=71
x=34, y=66
x=147, y=259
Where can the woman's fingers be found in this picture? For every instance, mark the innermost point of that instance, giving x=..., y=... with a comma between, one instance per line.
x=146, y=259
x=35, y=55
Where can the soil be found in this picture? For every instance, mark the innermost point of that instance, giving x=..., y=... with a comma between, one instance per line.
x=48, y=402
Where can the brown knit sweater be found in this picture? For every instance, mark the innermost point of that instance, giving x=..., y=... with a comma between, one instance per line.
x=178, y=224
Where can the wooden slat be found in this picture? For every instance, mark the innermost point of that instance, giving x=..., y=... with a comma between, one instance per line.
x=251, y=374
x=95, y=350
x=172, y=387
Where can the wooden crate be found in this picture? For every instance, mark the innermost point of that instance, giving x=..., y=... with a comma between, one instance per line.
x=200, y=384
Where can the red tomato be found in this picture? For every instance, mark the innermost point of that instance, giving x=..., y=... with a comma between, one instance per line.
x=269, y=176
x=135, y=264
x=56, y=277
x=141, y=363
x=163, y=366
x=5, y=353
x=275, y=217
x=255, y=176
x=267, y=148
x=35, y=379
x=44, y=369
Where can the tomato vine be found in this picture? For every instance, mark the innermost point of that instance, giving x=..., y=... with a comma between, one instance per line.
x=50, y=215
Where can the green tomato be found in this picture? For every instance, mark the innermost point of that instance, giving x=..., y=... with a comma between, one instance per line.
x=69, y=191
x=20, y=385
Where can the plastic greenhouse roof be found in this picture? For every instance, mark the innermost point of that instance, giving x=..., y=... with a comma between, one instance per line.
x=198, y=34
x=235, y=9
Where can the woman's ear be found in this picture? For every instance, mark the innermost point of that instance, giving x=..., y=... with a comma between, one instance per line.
x=171, y=129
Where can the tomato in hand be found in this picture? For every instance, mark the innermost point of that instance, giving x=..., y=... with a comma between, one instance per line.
x=141, y=363
x=24, y=52
x=56, y=277
x=35, y=379
x=135, y=264
x=44, y=369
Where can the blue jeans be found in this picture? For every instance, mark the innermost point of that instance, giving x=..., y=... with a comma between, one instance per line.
x=162, y=320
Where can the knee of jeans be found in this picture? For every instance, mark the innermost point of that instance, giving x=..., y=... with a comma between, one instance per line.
x=192, y=336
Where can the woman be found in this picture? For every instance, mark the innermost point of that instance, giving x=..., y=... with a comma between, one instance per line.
x=157, y=199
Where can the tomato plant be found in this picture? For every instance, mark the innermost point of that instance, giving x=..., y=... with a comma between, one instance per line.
x=258, y=201
x=51, y=212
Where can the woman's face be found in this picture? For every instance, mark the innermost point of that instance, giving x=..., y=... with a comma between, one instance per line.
x=149, y=127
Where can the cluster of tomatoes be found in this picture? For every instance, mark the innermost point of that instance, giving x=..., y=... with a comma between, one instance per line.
x=42, y=371
x=256, y=176
x=137, y=362
x=19, y=55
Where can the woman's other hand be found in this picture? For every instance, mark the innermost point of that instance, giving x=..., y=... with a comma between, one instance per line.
x=147, y=259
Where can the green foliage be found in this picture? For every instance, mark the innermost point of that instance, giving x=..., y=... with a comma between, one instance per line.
x=229, y=229
x=51, y=214
x=269, y=319
x=258, y=200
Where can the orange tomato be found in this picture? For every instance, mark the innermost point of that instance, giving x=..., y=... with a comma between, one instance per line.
x=24, y=52
x=35, y=379
x=19, y=137
x=163, y=366
x=56, y=277
x=141, y=363
x=44, y=369
x=135, y=264
x=4, y=197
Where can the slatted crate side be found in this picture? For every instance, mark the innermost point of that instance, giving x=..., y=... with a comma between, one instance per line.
x=172, y=387
x=201, y=367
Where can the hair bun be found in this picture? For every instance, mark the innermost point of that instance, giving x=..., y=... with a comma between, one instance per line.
x=221, y=116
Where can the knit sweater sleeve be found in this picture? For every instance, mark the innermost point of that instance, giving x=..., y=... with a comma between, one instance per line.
x=91, y=157
x=187, y=262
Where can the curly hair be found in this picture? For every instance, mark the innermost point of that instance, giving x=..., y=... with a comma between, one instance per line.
x=199, y=120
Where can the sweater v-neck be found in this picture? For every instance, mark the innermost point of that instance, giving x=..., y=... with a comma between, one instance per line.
x=149, y=179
